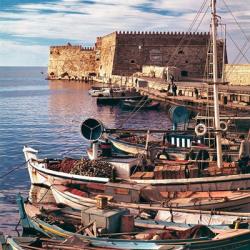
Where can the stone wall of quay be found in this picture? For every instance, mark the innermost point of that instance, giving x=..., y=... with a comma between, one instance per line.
x=237, y=74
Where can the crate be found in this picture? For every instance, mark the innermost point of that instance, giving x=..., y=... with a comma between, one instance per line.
x=101, y=202
x=109, y=219
x=137, y=175
x=148, y=175
x=158, y=172
x=229, y=171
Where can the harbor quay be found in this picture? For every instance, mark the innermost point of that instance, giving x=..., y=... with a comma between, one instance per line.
x=232, y=98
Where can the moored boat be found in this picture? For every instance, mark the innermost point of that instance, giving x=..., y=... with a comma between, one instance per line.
x=168, y=237
x=40, y=173
x=143, y=104
x=48, y=171
x=222, y=200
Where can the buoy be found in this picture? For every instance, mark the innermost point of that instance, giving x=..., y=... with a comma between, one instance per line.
x=200, y=129
x=223, y=126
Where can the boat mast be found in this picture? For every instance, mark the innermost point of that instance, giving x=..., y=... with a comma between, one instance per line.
x=215, y=85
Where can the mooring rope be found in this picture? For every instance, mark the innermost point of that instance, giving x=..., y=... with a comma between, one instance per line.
x=14, y=169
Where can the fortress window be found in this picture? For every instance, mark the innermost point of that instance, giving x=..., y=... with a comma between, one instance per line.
x=180, y=52
x=132, y=61
x=184, y=73
x=97, y=59
x=186, y=61
x=51, y=52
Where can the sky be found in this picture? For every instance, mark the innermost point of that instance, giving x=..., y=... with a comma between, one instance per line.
x=29, y=27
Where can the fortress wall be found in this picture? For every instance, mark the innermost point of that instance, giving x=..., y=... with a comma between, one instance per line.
x=237, y=74
x=107, y=54
x=133, y=50
x=137, y=49
x=72, y=61
x=124, y=53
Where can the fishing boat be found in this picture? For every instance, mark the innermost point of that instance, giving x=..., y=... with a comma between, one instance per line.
x=117, y=97
x=106, y=91
x=58, y=171
x=168, y=237
x=143, y=104
x=94, y=92
x=218, y=200
x=45, y=172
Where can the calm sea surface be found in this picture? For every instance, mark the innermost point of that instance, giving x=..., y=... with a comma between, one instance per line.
x=47, y=115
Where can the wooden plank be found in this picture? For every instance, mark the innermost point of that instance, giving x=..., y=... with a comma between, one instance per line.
x=137, y=175
x=148, y=175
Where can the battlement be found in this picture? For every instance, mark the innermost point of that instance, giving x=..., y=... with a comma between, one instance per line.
x=160, y=33
x=66, y=46
x=87, y=48
x=69, y=46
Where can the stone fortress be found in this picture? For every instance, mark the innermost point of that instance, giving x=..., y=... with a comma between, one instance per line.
x=125, y=53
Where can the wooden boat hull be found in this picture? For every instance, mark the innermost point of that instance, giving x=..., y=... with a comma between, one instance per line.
x=135, y=149
x=135, y=106
x=40, y=175
x=233, y=239
x=127, y=147
x=236, y=202
x=113, y=100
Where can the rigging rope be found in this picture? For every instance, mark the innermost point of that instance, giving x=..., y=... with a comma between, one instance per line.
x=14, y=169
x=135, y=110
x=189, y=30
x=244, y=47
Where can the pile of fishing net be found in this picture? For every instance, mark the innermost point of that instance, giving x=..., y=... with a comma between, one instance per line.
x=83, y=166
x=92, y=168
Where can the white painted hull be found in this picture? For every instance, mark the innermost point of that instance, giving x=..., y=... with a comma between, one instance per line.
x=238, y=202
x=130, y=149
x=40, y=175
x=70, y=200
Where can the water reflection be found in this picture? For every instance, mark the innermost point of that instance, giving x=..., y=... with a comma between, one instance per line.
x=47, y=116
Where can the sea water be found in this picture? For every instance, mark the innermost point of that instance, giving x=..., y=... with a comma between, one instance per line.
x=47, y=115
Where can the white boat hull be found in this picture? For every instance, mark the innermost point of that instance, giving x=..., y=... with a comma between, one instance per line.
x=40, y=175
x=238, y=202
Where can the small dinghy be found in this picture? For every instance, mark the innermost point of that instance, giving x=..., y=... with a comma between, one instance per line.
x=148, y=104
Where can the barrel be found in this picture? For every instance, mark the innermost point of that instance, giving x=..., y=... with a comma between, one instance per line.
x=178, y=114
